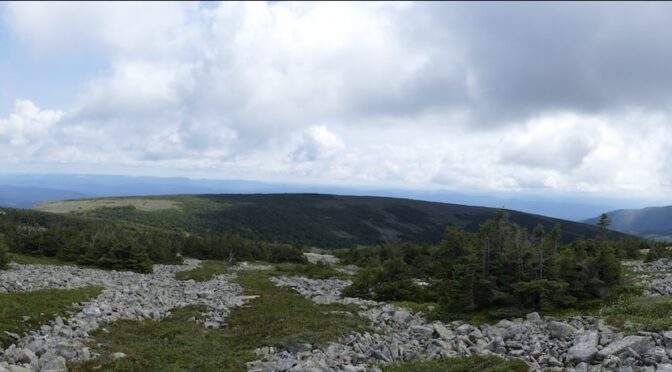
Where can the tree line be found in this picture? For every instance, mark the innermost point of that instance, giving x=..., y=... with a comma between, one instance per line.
x=500, y=266
x=103, y=244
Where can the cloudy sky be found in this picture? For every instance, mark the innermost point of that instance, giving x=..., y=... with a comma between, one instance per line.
x=562, y=98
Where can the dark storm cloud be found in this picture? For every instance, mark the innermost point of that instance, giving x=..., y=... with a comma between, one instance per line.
x=528, y=58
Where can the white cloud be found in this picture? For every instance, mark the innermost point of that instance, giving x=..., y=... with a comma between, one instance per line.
x=316, y=143
x=27, y=130
x=553, y=142
x=400, y=93
x=147, y=29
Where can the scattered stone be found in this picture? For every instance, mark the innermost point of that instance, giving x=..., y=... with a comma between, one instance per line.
x=634, y=344
x=323, y=258
x=117, y=356
x=544, y=344
x=15, y=368
x=584, y=347
x=667, y=338
x=401, y=316
x=533, y=317
x=421, y=331
x=128, y=295
x=560, y=330
x=55, y=365
x=442, y=331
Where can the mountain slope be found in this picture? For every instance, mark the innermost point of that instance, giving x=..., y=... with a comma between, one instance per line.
x=652, y=222
x=311, y=219
x=98, y=186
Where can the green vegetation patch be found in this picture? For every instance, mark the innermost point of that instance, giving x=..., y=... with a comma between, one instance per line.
x=39, y=307
x=85, y=205
x=309, y=270
x=208, y=270
x=648, y=313
x=308, y=219
x=36, y=260
x=279, y=317
x=466, y=364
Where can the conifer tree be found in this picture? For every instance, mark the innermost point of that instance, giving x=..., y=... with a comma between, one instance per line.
x=604, y=224
x=4, y=248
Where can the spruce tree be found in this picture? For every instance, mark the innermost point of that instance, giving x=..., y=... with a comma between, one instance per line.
x=4, y=248
x=604, y=224
x=607, y=265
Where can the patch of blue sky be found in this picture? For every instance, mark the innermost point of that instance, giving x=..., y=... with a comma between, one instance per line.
x=51, y=81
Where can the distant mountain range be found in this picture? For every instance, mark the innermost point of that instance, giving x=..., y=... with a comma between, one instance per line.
x=26, y=190
x=27, y=196
x=651, y=222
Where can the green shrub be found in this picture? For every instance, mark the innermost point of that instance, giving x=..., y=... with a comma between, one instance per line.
x=387, y=284
x=363, y=283
x=401, y=290
x=4, y=249
x=309, y=270
x=125, y=254
x=286, y=253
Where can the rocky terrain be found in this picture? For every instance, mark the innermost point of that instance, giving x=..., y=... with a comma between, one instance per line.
x=581, y=343
x=655, y=275
x=127, y=295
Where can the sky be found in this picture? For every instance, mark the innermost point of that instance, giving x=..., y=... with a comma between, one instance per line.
x=542, y=98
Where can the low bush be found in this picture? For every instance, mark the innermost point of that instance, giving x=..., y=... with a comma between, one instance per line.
x=309, y=270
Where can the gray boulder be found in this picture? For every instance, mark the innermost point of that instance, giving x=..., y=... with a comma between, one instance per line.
x=667, y=338
x=533, y=317
x=421, y=331
x=66, y=350
x=560, y=330
x=15, y=368
x=19, y=355
x=504, y=323
x=639, y=344
x=442, y=331
x=55, y=365
x=465, y=329
x=584, y=347
x=664, y=368
x=401, y=316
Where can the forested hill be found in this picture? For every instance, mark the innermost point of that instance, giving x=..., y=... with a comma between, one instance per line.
x=652, y=222
x=310, y=219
